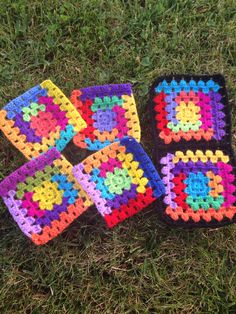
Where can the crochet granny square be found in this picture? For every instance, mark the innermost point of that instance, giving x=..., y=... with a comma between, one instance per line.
x=39, y=119
x=185, y=108
x=200, y=187
x=43, y=196
x=120, y=179
x=110, y=113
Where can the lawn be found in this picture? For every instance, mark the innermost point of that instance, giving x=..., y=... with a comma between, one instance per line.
x=142, y=265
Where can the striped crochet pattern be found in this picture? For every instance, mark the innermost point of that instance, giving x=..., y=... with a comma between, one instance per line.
x=43, y=196
x=200, y=187
x=189, y=108
x=120, y=179
x=110, y=113
x=39, y=119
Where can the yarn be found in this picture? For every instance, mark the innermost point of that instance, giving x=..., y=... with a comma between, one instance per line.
x=120, y=179
x=191, y=128
x=200, y=186
x=39, y=119
x=43, y=196
x=110, y=113
x=186, y=108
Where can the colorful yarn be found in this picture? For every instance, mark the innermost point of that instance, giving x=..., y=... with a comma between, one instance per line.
x=120, y=179
x=39, y=119
x=186, y=108
x=200, y=187
x=110, y=113
x=43, y=196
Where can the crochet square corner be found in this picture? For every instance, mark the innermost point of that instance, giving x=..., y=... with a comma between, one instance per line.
x=120, y=179
x=200, y=187
x=39, y=119
x=43, y=196
x=185, y=108
x=110, y=113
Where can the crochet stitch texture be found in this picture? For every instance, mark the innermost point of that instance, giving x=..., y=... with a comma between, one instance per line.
x=39, y=119
x=200, y=186
x=43, y=196
x=192, y=127
x=120, y=179
x=110, y=113
x=186, y=108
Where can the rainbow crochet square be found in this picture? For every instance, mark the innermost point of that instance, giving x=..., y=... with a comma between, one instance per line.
x=120, y=179
x=200, y=187
x=43, y=196
x=188, y=108
x=110, y=113
x=39, y=119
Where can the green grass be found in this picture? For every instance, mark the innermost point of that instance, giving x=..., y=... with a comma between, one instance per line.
x=141, y=266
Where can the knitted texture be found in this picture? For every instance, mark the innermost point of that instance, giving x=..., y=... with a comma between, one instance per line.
x=43, y=196
x=187, y=108
x=110, y=113
x=200, y=187
x=39, y=119
x=120, y=179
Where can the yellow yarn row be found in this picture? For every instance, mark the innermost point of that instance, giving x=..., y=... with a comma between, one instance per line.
x=200, y=156
x=72, y=114
x=135, y=173
x=132, y=116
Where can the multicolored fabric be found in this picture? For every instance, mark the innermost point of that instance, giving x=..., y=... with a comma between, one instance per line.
x=39, y=119
x=200, y=187
x=43, y=196
x=120, y=179
x=185, y=108
x=110, y=113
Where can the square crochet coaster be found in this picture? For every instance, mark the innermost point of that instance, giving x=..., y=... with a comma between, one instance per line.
x=39, y=119
x=43, y=196
x=120, y=179
x=200, y=187
x=110, y=113
x=190, y=108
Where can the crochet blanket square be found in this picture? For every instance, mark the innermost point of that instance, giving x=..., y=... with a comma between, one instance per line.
x=200, y=187
x=185, y=108
x=120, y=179
x=39, y=119
x=110, y=113
x=43, y=196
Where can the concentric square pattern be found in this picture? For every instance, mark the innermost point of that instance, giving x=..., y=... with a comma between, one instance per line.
x=120, y=179
x=43, y=196
x=39, y=119
x=187, y=109
x=200, y=187
x=110, y=113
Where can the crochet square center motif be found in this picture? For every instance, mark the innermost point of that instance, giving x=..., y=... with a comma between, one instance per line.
x=104, y=120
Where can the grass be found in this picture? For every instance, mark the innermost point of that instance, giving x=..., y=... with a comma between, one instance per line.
x=142, y=266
